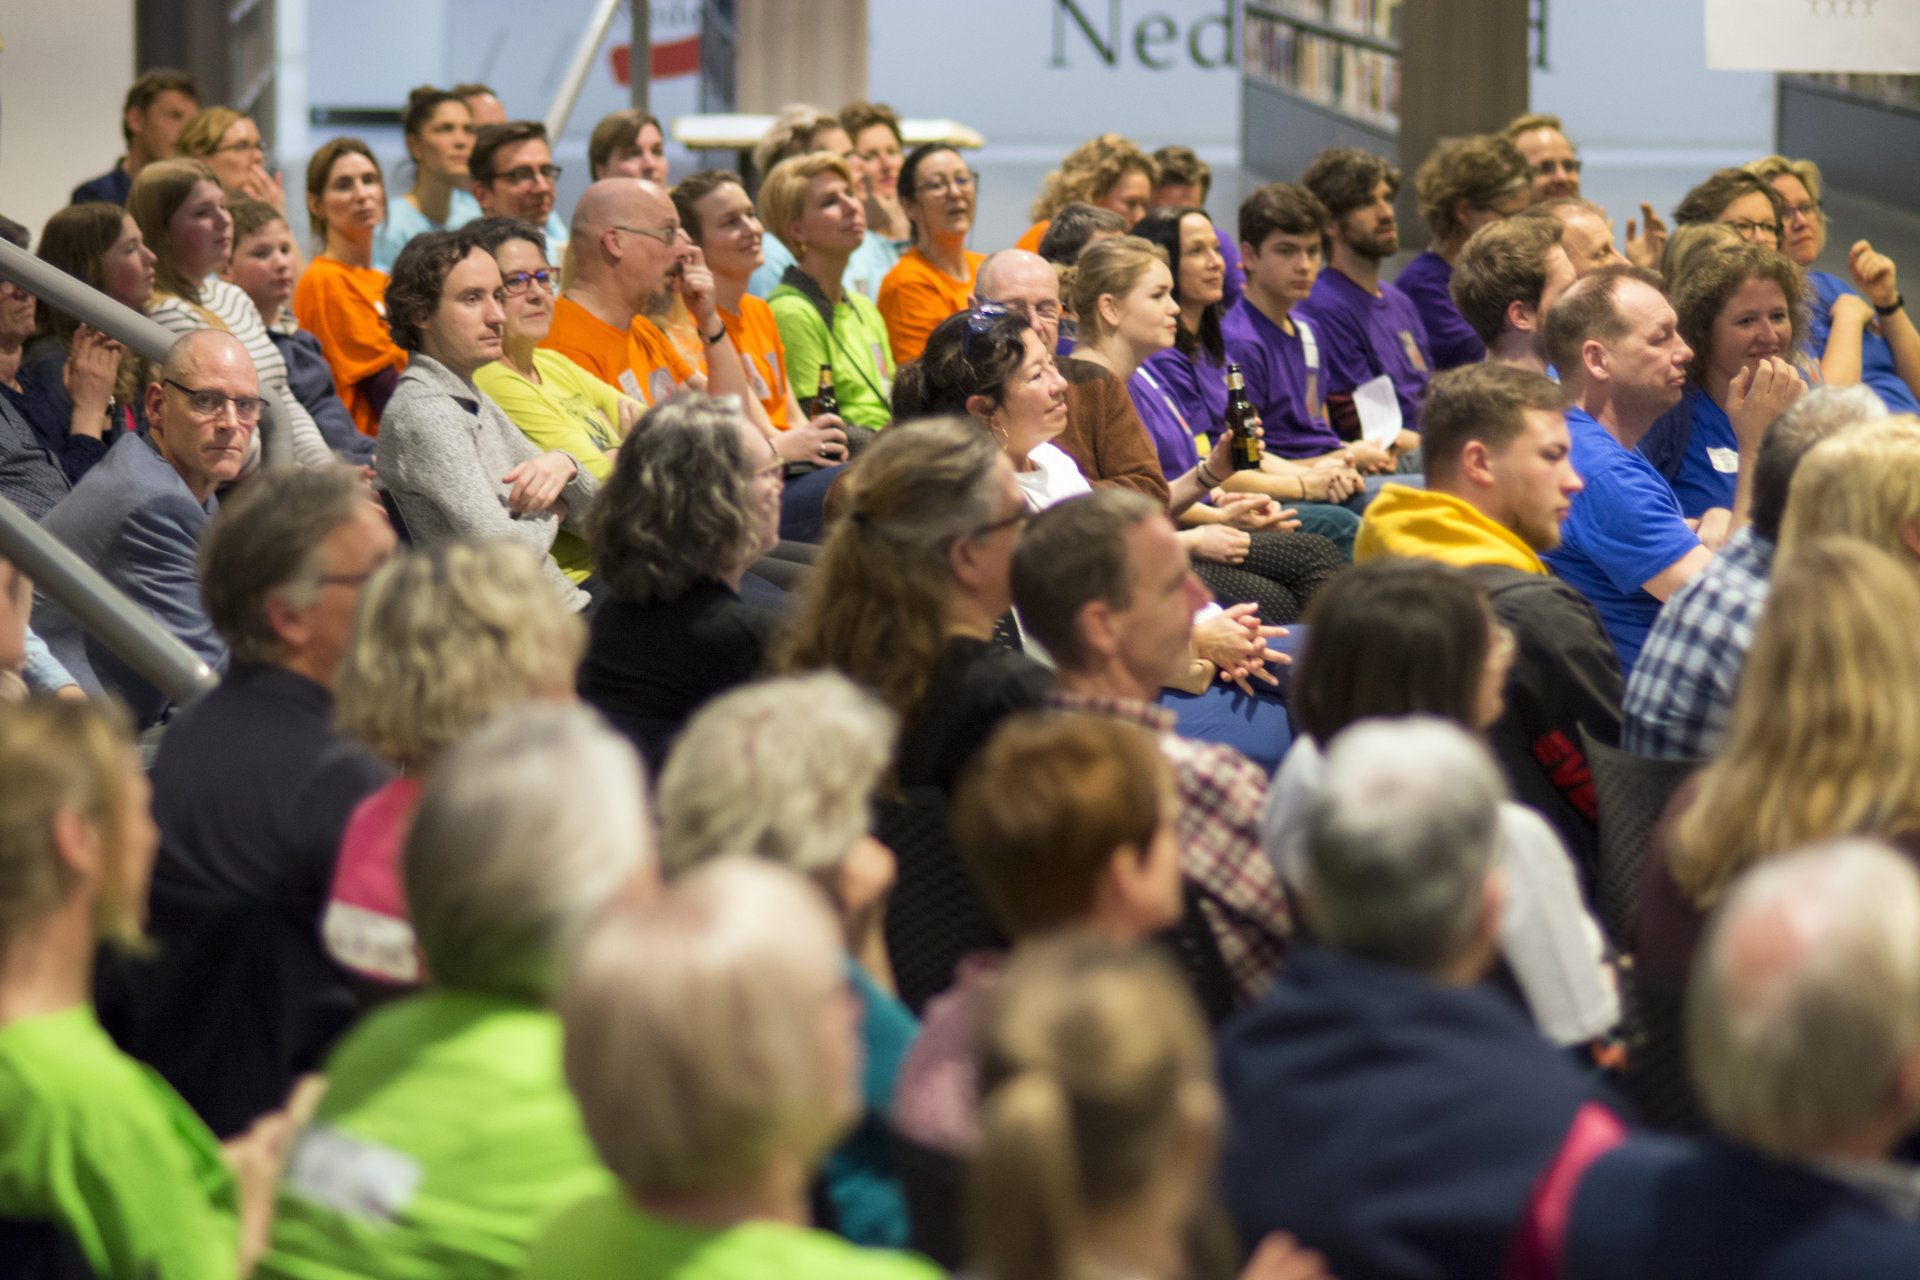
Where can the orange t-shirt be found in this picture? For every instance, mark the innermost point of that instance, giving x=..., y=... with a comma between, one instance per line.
x=640, y=361
x=1035, y=234
x=756, y=336
x=345, y=307
x=916, y=296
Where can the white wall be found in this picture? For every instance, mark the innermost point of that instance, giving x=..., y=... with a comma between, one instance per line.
x=64, y=70
x=1027, y=75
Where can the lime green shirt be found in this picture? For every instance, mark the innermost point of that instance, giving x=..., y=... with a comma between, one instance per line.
x=859, y=345
x=446, y=1140
x=570, y=410
x=607, y=1237
x=100, y=1145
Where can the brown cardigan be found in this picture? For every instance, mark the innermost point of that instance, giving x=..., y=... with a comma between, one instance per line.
x=1105, y=435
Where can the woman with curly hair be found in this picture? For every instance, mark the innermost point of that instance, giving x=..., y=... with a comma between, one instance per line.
x=1466, y=184
x=1108, y=171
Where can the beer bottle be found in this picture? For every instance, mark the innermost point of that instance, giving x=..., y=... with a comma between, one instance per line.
x=1240, y=419
x=824, y=401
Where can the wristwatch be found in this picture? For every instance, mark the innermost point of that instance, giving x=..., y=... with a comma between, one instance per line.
x=1899, y=301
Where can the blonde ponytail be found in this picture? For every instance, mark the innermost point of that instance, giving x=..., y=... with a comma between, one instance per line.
x=1023, y=1192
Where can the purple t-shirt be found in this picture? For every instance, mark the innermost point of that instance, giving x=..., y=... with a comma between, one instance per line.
x=1166, y=423
x=1236, y=277
x=1362, y=337
x=1449, y=336
x=1281, y=387
x=1196, y=384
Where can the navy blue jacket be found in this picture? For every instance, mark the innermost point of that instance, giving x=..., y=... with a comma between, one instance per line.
x=1663, y=1207
x=1395, y=1124
x=310, y=379
x=110, y=187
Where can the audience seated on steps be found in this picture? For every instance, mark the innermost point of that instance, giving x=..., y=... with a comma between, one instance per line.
x=788, y=769
x=442, y=639
x=715, y=1061
x=1499, y=482
x=138, y=515
x=1682, y=691
x=526, y=832
x=253, y=787
x=1409, y=637
x=1384, y=1106
x=1805, y=1050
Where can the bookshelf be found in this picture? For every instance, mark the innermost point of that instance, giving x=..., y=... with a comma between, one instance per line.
x=1388, y=76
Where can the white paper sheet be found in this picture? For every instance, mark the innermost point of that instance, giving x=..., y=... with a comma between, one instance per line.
x=1813, y=35
x=1379, y=410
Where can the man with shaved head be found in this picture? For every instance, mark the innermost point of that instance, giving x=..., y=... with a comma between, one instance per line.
x=1104, y=434
x=137, y=515
x=1803, y=1038
x=629, y=257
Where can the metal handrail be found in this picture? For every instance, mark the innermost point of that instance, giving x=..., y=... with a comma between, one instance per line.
x=101, y=608
x=125, y=325
x=576, y=77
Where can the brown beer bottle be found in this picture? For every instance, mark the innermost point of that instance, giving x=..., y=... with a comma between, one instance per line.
x=1240, y=419
x=824, y=401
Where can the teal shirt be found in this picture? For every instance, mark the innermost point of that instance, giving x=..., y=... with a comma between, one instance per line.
x=100, y=1146
x=404, y=222
x=445, y=1143
x=859, y=350
x=606, y=1238
x=869, y=1204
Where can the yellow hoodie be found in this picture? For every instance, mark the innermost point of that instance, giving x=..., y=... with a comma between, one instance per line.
x=1425, y=525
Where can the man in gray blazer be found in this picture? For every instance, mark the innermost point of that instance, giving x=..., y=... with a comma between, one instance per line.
x=138, y=514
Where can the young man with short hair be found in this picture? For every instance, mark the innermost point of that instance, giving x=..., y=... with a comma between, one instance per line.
x=1499, y=481
x=157, y=108
x=513, y=174
x=1509, y=275
x=1370, y=332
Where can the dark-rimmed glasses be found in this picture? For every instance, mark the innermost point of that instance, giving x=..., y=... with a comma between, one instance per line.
x=212, y=404
x=518, y=283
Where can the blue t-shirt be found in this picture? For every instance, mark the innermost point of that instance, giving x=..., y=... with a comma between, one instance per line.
x=1362, y=337
x=1451, y=339
x=404, y=222
x=1283, y=380
x=866, y=268
x=1693, y=447
x=1876, y=357
x=1166, y=423
x=1624, y=528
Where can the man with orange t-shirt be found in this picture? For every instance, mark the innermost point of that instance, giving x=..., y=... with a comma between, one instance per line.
x=624, y=235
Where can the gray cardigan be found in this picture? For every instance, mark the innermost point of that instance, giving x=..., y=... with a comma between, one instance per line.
x=443, y=448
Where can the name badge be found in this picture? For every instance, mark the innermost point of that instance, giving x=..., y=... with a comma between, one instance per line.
x=351, y=1176
x=879, y=359
x=659, y=385
x=758, y=384
x=630, y=384
x=779, y=374
x=1413, y=350
x=1726, y=461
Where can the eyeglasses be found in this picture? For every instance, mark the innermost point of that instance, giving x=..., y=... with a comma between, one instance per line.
x=1547, y=168
x=255, y=147
x=1746, y=227
x=665, y=235
x=941, y=186
x=1046, y=309
x=520, y=281
x=1809, y=210
x=211, y=404
x=980, y=320
x=1018, y=520
x=528, y=173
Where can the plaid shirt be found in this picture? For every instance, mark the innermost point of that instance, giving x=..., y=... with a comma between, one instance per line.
x=1681, y=691
x=1221, y=795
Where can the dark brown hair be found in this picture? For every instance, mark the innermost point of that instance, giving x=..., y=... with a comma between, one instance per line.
x=1392, y=637
x=146, y=90
x=76, y=240
x=487, y=143
x=1706, y=202
x=1285, y=207
x=1484, y=402
x=1180, y=167
x=856, y=116
x=617, y=131
x=1049, y=803
x=1344, y=179
x=957, y=365
x=423, y=102
x=1072, y=554
x=418, y=275
x=1503, y=263
x=320, y=172
x=690, y=190
x=1481, y=170
x=1710, y=282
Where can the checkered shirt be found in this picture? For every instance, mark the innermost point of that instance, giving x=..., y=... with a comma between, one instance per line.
x=1221, y=795
x=1681, y=691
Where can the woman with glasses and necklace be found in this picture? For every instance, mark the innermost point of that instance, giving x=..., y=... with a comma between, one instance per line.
x=1856, y=338
x=932, y=279
x=341, y=298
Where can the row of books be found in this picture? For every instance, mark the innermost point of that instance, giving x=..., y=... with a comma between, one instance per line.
x=1377, y=18
x=1363, y=83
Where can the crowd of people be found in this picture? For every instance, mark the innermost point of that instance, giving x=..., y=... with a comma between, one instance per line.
x=1152, y=751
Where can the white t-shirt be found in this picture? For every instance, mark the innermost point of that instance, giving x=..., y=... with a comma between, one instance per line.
x=1548, y=937
x=1055, y=478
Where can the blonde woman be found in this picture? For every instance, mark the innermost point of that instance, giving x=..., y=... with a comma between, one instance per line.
x=1862, y=483
x=1108, y=171
x=96, y=1146
x=229, y=142
x=804, y=131
x=1824, y=741
x=1859, y=332
x=442, y=640
x=1100, y=1123
x=181, y=212
x=715, y=1060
